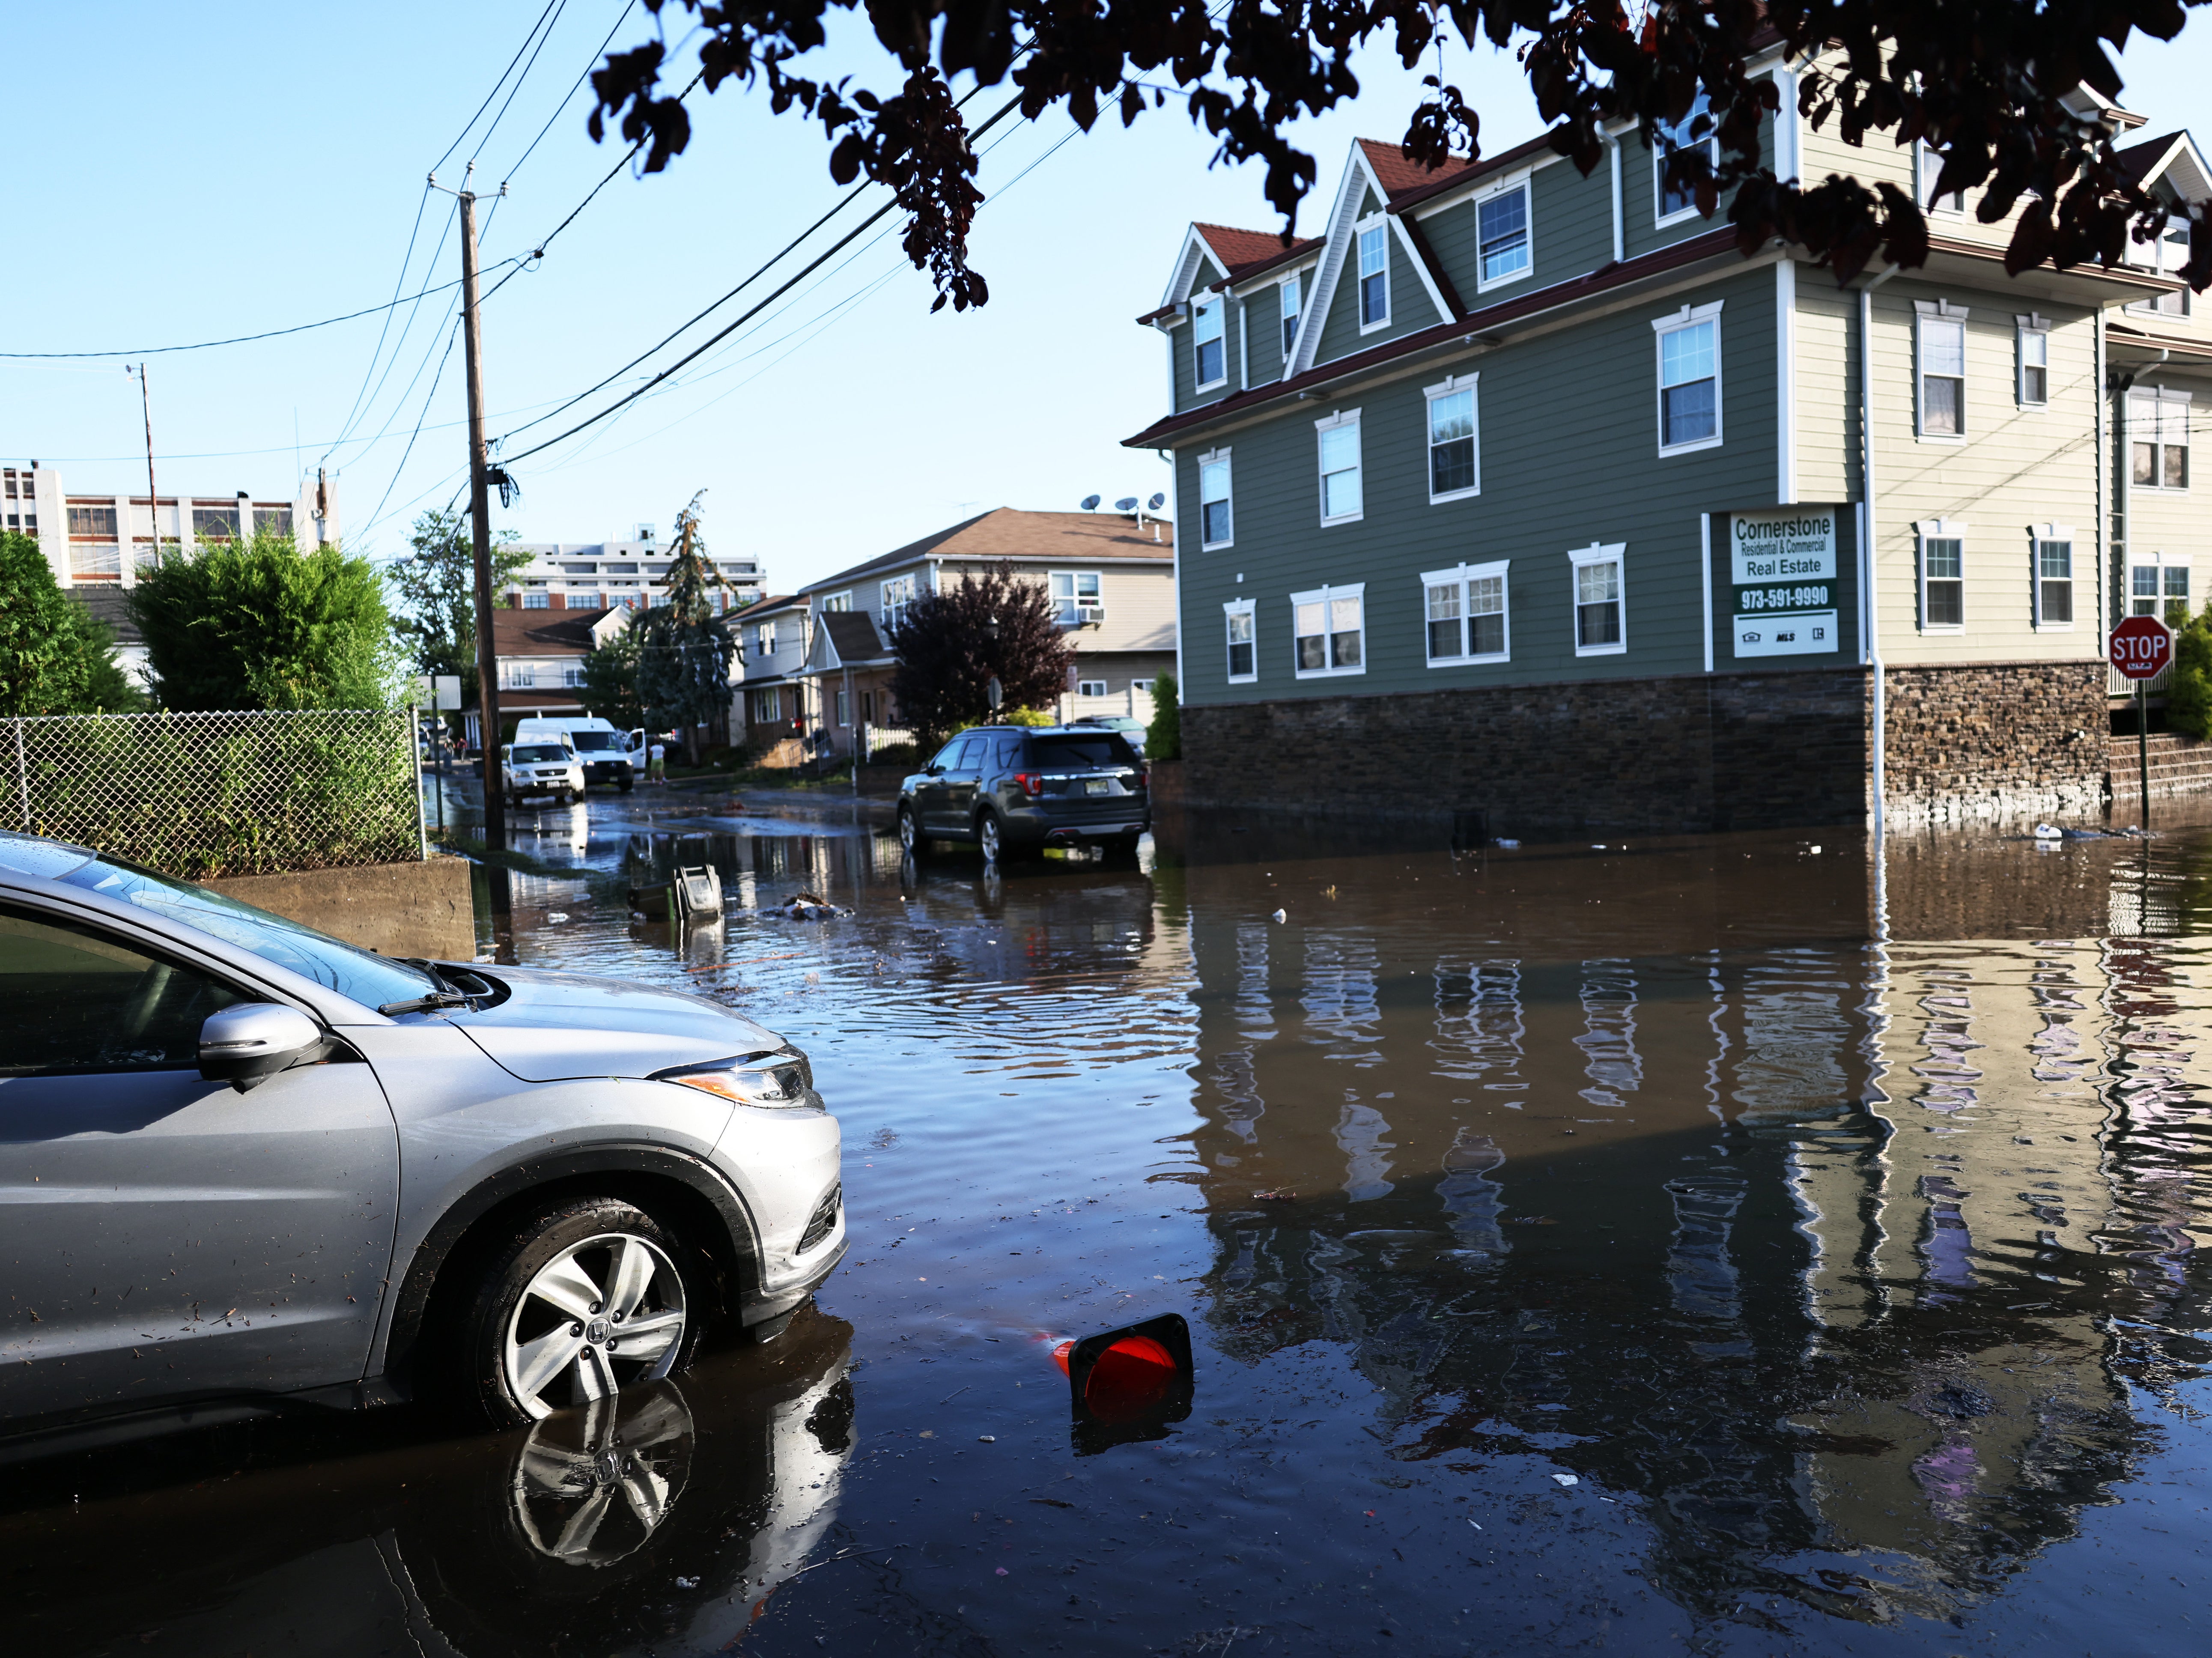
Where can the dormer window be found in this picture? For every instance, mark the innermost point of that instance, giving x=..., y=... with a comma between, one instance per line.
x=1211, y=357
x=1374, y=277
x=1502, y=227
x=1926, y=167
x=1679, y=201
x=1291, y=302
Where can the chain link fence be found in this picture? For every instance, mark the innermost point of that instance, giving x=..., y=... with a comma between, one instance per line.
x=207, y=795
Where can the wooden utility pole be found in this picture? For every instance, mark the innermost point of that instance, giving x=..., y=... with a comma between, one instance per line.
x=152, y=500
x=495, y=802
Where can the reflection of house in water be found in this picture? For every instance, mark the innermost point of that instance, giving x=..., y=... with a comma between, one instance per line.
x=1815, y=1250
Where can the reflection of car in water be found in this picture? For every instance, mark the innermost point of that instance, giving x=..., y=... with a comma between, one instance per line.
x=662, y=1517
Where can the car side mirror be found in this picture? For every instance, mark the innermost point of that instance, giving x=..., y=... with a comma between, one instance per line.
x=932, y=770
x=247, y=1044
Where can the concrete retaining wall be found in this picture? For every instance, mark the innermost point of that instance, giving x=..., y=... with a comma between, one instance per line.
x=397, y=910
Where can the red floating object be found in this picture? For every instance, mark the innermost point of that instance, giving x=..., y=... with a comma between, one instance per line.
x=1128, y=1375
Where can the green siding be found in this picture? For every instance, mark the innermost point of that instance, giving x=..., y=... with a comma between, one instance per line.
x=1557, y=473
x=1411, y=307
x=1639, y=197
x=1570, y=228
x=1186, y=365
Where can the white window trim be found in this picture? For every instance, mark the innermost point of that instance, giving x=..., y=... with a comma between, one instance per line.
x=2153, y=395
x=1217, y=456
x=1462, y=574
x=1596, y=553
x=1927, y=164
x=1659, y=217
x=1198, y=305
x=1688, y=316
x=1306, y=296
x=1075, y=591
x=2022, y=327
x=1341, y=417
x=1081, y=687
x=1938, y=528
x=1373, y=222
x=1944, y=311
x=1451, y=383
x=836, y=602
x=884, y=605
x=1322, y=596
x=1528, y=220
x=2038, y=534
x=1247, y=607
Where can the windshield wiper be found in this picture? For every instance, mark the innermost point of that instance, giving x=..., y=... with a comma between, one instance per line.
x=424, y=1003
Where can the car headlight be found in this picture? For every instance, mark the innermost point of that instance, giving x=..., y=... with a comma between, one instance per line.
x=778, y=1077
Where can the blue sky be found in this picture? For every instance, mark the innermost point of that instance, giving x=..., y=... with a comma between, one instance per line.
x=252, y=166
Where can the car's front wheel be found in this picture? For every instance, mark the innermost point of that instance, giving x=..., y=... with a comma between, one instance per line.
x=587, y=1296
x=911, y=839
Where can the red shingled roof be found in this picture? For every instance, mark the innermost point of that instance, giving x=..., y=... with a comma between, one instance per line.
x=1400, y=177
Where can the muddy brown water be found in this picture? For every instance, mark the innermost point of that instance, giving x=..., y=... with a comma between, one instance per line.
x=1745, y=1244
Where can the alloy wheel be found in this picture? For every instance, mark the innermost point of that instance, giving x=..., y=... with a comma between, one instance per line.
x=593, y=1485
x=987, y=833
x=910, y=831
x=603, y=1314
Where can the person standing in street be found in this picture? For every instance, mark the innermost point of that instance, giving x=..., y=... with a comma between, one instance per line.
x=656, y=768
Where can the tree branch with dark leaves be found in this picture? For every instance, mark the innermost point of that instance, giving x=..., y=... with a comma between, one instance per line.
x=1983, y=83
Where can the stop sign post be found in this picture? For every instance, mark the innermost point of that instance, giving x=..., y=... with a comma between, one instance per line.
x=2140, y=648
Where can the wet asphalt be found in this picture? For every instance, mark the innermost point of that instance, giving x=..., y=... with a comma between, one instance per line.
x=1738, y=1244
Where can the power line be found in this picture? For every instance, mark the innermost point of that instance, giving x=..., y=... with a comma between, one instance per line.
x=428, y=398
x=398, y=283
x=628, y=8
x=497, y=85
x=240, y=339
x=367, y=400
x=559, y=7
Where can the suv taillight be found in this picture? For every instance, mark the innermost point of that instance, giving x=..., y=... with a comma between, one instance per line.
x=1031, y=783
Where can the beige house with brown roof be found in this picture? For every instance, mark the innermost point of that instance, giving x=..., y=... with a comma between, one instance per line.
x=1112, y=576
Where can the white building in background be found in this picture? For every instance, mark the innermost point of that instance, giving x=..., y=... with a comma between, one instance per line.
x=620, y=571
x=103, y=541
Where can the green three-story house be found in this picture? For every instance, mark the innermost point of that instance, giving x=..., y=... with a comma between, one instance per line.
x=1525, y=493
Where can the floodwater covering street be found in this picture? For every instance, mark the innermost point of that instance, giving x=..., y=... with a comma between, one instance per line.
x=1745, y=1244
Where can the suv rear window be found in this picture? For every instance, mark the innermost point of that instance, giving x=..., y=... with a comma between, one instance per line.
x=1071, y=753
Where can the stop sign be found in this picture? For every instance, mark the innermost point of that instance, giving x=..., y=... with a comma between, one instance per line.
x=2142, y=647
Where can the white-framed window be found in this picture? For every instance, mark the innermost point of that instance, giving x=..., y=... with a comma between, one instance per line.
x=837, y=602
x=1328, y=630
x=1091, y=687
x=1289, y=296
x=1501, y=232
x=2158, y=437
x=1209, y=352
x=764, y=638
x=1927, y=168
x=844, y=712
x=1939, y=369
x=1689, y=378
x=768, y=705
x=1454, y=442
x=1671, y=204
x=2054, y=577
x=1600, y=600
x=897, y=594
x=1942, y=576
x=1216, y=527
x=2159, y=588
x=1241, y=630
x=2167, y=255
x=2035, y=388
x=1374, y=276
x=1076, y=598
x=1341, y=501
x=1464, y=611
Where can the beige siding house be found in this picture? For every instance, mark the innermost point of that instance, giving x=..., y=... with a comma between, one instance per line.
x=1111, y=575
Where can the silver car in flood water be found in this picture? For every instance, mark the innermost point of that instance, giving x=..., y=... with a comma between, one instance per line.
x=241, y=1159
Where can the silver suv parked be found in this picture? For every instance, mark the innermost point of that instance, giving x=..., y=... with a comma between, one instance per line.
x=239, y=1158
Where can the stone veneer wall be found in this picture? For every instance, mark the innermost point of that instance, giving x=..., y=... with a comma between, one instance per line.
x=1994, y=740
x=1673, y=755
x=2178, y=765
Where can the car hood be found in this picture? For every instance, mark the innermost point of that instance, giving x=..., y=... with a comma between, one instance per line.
x=555, y=1026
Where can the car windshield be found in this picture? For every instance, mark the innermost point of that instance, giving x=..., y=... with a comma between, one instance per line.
x=595, y=741
x=1065, y=753
x=539, y=757
x=367, y=978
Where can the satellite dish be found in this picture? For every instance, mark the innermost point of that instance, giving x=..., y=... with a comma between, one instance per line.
x=1158, y=502
x=1127, y=504
x=1091, y=503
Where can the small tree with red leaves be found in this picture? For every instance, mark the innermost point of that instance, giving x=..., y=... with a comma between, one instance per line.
x=952, y=643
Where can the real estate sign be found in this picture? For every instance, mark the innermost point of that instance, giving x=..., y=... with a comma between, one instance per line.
x=1783, y=578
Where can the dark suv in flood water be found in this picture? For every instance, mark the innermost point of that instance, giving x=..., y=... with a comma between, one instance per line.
x=1008, y=788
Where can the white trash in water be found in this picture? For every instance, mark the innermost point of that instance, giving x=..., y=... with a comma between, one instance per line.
x=2047, y=832
x=1567, y=1479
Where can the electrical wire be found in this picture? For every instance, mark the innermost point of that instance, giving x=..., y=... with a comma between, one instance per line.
x=428, y=398
x=398, y=284
x=363, y=404
x=497, y=85
x=559, y=7
x=240, y=339
x=629, y=8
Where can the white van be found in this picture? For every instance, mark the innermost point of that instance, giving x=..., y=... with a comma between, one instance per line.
x=606, y=754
